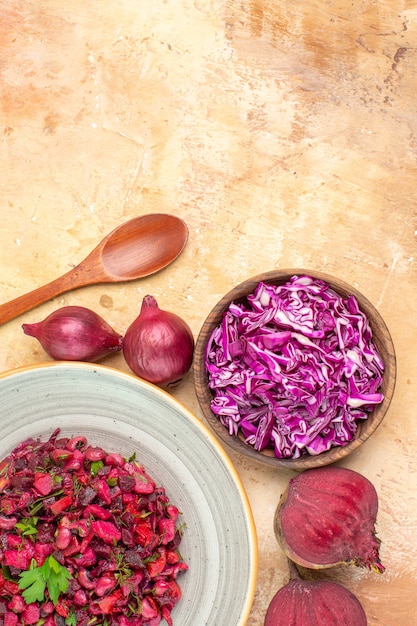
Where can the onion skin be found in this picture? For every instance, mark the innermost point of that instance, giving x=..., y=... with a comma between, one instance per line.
x=327, y=517
x=75, y=333
x=159, y=345
x=309, y=603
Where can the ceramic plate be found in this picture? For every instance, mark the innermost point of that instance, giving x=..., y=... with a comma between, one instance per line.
x=124, y=414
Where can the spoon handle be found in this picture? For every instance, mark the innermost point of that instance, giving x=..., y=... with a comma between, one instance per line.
x=28, y=301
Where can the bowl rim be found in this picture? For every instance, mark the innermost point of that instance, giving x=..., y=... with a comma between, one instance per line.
x=197, y=423
x=386, y=346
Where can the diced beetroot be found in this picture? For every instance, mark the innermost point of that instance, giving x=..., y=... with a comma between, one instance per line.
x=150, y=608
x=85, y=543
x=61, y=505
x=14, y=541
x=126, y=482
x=101, y=549
x=96, y=511
x=73, y=547
x=160, y=588
x=63, y=538
x=7, y=506
x=132, y=583
x=10, y=587
x=74, y=463
x=81, y=527
x=80, y=597
x=145, y=535
x=156, y=566
x=106, y=605
x=41, y=551
x=19, y=558
x=174, y=592
x=143, y=483
x=94, y=454
x=10, y=619
x=127, y=538
x=60, y=455
x=172, y=512
x=129, y=498
x=22, y=480
x=104, y=585
x=167, y=529
x=46, y=533
x=106, y=531
x=7, y=523
x=86, y=496
x=62, y=608
x=134, y=559
x=115, y=460
x=172, y=557
x=82, y=477
x=179, y=567
x=23, y=500
x=16, y=604
x=43, y=483
x=86, y=559
x=31, y=614
x=103, y=490
x=47, y=607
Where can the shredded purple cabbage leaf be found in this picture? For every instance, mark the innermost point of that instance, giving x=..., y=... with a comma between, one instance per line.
x=294, y=368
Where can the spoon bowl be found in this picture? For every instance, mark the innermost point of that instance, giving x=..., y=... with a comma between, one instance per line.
x=140, y=247
x=123, y=259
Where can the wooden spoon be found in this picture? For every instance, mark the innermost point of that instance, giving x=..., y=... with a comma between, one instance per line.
x=137, y=248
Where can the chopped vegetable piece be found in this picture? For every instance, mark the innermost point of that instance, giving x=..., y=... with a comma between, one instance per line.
x=293, y=368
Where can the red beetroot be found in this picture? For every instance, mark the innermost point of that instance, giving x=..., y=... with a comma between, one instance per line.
x=10, y=619
x=308, y=603
x=31, y=614
x=327, y=516
x=106, y=531
x=43, y=483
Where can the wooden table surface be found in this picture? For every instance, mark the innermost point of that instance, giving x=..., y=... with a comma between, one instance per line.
x=283, y=133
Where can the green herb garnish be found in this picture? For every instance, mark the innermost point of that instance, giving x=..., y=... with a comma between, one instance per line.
x=51, y=575
x=96, y=466
x=28, y=526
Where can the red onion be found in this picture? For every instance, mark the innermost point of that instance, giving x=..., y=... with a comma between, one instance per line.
x=158, y=346
x=327, y=517
x=309, y=603
x=75, y=333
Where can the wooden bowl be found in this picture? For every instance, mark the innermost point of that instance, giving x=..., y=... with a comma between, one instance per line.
x=365, y=428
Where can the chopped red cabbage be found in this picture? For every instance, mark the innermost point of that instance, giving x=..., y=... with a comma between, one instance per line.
x=294, y=368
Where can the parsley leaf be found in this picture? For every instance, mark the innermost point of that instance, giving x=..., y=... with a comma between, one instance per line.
x=33, y=584
x=51, y=575
x=96, y=466
x=71, y=620
x=28, y=526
